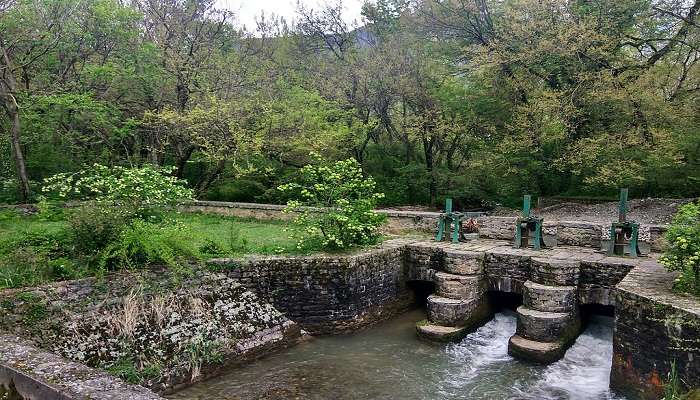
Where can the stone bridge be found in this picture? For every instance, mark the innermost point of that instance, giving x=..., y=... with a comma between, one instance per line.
x=554, y=283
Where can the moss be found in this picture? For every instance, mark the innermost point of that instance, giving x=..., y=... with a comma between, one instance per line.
x=7, y=304
x=35, y=313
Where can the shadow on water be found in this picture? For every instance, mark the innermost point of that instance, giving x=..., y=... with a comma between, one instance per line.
x=389, y=362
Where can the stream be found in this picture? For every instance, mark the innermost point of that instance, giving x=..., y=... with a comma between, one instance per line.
x=387, y=361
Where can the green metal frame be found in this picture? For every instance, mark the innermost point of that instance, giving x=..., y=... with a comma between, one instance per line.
x=449, y=219
x=528, y=227
x=622, y=229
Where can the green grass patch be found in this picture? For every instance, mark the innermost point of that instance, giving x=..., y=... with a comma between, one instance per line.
x=35, y=249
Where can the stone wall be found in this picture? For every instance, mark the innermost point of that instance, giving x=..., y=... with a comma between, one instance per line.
x=396, y=220
x=28, y=372
x=255, y=300
x=653, y=328
x=178, y=328
x=328, y=294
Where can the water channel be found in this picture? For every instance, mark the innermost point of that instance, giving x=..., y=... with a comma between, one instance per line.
x=387, y=361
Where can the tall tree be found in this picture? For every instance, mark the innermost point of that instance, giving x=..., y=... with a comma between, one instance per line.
x=28, y=31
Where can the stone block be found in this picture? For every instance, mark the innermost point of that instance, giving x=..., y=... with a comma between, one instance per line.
x=450, y=312
x=549, y=298
x=459, y=286
x=554, y=272
x=531, y=350
x=547, y=326
x=439, y=333
x=464, y=262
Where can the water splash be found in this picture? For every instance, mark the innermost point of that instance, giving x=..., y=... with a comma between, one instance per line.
x=583, y=373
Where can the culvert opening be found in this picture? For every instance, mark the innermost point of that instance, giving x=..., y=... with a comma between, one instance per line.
x=589, y=311
x=421, y=290
x=501, y=301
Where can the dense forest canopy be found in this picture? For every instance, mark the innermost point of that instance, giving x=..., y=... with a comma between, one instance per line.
x=480, y=100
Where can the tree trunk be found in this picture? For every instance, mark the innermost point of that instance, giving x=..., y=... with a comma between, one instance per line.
x=20, y=165
x=211, y=177
x=183, y=153
x=430, y=167
x=8, y=85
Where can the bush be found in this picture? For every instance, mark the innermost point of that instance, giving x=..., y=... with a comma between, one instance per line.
x=27, y=260
x=348, y=199
x=243, y=190
x=683, y=251
x=138, y=189
x=93, y=228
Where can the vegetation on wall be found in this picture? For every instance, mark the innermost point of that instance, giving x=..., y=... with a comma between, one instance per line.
x=683, y=250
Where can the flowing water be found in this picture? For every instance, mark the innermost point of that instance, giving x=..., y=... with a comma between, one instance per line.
x=387, y=361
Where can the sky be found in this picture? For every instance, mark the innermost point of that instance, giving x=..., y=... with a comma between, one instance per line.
x=247, y=10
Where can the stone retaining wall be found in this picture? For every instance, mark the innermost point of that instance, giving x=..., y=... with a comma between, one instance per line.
x=328, y=294
x=654, y=327
x=341, y=293
x=396, y=220
x=27, y=372
x=187, y=327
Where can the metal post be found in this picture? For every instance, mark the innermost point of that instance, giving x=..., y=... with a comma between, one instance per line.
x=448, y=205
x=526, y=206
x=622, y=208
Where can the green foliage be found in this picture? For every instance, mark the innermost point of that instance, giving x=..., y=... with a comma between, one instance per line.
x=91, y=240
x=143, y=243
x=348, y=199
x=683, y=251
x=138, y=189
x=93, y=228
x=130, y=371
x=672, y=390
x=239, y=190
x=549, y=97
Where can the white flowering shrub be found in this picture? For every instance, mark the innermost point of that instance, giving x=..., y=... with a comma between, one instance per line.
x=136, y=188
x=347, y=199
x=683, y=251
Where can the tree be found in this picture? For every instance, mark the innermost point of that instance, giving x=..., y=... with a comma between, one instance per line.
x=188, y=34
x=28, y=31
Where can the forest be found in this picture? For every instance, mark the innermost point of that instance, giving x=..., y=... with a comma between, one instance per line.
x=479, y=100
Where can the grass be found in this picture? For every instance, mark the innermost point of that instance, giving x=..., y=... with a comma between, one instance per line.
x=231, y=236
x=35, y=249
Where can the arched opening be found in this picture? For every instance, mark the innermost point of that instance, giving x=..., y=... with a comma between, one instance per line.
x=421, y=290
x=591, y=311
x=501, y=301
